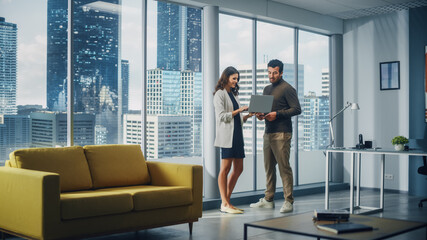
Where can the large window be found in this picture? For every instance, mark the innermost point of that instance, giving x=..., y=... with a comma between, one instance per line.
x=313, y=128
x=174, y=83
x=235, y=38
x=23, y=76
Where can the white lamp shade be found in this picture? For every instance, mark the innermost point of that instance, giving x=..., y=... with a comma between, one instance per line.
x=355, y=106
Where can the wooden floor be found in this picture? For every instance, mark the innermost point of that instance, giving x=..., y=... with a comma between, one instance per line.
x=216, y=225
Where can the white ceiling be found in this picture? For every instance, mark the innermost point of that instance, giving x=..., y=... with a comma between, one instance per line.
x=348, y=9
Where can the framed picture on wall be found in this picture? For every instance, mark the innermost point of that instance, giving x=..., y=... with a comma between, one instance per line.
x=390, y=75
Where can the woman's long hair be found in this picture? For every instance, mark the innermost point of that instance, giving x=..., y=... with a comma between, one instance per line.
x=223, y=80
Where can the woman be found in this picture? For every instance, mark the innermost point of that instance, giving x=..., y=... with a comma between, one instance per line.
x=229, y=134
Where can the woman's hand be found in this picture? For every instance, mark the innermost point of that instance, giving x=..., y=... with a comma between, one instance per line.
x=244, y=108
x=239, y=110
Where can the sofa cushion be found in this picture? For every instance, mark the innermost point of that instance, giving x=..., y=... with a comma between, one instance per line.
x=94, y=203
x=69, y=162
x=153, y=197
x=116, y=165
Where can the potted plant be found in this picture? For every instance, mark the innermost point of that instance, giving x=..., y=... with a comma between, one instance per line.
x=399, y=142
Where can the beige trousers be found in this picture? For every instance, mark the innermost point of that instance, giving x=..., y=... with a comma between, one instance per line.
x=277, y=148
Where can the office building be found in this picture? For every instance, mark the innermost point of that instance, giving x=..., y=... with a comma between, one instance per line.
x=96, y=61
x=14, y=134
x=325, y=82
x=168, y=136
x=8, y=66
x=132, y=128
x=179, y=34
x=191, y=105
x=177, y=93
x=163, y=92
x=315, y=115
x=49, y=129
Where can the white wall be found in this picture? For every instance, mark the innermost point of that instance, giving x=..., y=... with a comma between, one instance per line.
x=383, y=114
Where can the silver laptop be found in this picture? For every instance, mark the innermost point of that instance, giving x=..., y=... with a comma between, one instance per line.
x=261, y=103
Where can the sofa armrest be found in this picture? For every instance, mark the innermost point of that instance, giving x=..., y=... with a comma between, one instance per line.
x=174, y=174
x=29, y=201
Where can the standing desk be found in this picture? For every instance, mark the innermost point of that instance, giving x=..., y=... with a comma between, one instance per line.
x=356, y=155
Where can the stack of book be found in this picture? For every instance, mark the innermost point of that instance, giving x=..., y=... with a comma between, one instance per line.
x=336, y=221
x=336, y=215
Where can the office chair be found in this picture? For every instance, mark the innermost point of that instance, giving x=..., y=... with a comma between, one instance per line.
x=423, y=170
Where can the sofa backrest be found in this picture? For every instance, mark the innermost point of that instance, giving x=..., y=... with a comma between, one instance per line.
x=116, y=165
x=69, y=162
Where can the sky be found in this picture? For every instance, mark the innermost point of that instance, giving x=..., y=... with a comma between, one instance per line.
x=235, y=46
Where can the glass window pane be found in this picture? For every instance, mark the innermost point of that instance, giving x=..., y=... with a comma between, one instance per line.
x=274, y=42
x=235, y=36
x=23, y=78
x=97, y=68
x=313, y=131
x=174, y=83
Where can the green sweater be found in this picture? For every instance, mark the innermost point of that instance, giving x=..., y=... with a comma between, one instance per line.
x=285, y=103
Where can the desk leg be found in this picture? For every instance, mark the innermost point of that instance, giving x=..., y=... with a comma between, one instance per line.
x=245, y=232
x=352, y=183
x=327, y=181
x=382, y=182
x=359, y=157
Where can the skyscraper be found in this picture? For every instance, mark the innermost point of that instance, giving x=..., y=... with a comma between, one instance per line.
x=325, y=81
x=191, y=105
x=315, y=121
x=163, y=92
x=175, y=93
x=8, y=51
x=179, y=45
x=96, y=60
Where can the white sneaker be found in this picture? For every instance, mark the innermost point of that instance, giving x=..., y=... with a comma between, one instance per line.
x=287, y=207
x=262, y=203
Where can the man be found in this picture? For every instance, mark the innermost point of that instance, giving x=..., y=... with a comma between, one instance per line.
x=277, y=137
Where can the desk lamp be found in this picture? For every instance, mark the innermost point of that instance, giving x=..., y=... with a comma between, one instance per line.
x=354, y=106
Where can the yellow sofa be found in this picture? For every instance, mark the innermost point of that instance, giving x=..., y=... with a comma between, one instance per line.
x=73, y=192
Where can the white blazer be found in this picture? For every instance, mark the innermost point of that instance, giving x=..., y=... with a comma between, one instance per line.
x=224, y=119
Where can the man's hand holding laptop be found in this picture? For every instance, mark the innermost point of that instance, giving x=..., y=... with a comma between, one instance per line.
x=269, y=117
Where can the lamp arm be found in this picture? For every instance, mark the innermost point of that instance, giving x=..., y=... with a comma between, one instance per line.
x=338, y=113
x=332, y=142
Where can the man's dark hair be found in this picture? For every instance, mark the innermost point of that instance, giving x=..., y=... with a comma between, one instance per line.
x=276, y=63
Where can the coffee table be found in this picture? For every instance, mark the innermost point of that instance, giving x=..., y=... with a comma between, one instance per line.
x=302, y=224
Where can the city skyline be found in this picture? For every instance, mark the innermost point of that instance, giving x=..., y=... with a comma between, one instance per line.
x=174, y=86
x=32, y=44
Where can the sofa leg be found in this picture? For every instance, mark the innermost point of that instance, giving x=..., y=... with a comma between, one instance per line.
x=190, y=227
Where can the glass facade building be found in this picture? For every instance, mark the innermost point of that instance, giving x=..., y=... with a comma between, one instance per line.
x=179, y=45
x=96, y=61
x=8, y=58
